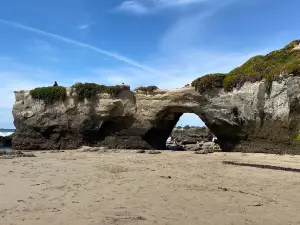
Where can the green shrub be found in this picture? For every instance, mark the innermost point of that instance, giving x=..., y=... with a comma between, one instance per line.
x=260, y=67
x=209, y=81
x=146, y=89
x=89, y=90
x=49, y=94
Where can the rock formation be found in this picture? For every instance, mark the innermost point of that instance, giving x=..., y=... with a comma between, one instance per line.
x=191, y=135
x=255, y=115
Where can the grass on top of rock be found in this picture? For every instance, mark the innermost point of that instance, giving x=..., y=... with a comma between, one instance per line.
x=146, y=89
x=209, y=81
x=49, y=94
x=88, y=90
x=269, y=67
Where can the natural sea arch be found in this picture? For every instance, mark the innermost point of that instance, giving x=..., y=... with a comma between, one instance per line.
x=128, y=121
x=169, y=117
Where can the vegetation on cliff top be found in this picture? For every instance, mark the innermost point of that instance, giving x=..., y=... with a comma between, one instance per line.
x=269, y=67
x=49, y=94
x=88, y=90
x=146, y=89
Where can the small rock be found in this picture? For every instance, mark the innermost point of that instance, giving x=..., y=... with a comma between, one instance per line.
x=84, y=149
x=208, y=145
x=140, y=151
x=56, y=151
x=258, y=204
x=91, y=149
x=223, y=189
x=202, y=152
x=154, y=152
x=169, y=177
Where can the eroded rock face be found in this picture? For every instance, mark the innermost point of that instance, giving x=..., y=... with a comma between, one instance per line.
x=248, y=119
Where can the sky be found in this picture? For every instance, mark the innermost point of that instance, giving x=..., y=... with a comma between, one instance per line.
x=167, y=43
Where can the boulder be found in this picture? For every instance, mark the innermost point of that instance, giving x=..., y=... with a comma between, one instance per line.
x=208, y=145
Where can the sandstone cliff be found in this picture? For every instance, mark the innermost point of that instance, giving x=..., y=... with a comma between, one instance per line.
x=260, y=115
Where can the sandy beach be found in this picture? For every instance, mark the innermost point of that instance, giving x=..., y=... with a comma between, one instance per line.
x=172, y=188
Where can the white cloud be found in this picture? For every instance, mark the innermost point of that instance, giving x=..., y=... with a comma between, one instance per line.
x=184, y=33
x=161, y=3
x=150, y=6
x=84, y=26
x=133, y=6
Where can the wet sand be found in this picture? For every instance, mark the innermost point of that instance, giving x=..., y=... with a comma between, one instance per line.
x=172, y=188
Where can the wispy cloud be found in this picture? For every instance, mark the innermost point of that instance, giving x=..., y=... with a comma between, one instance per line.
x=162, y=3
x=81, y=44
x=149, y=6
x=133, y=7
x=84, y=26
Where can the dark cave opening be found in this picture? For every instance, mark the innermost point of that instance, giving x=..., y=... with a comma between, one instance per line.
x=163, y=127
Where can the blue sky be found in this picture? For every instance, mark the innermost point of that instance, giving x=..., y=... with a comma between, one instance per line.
x=139, y=42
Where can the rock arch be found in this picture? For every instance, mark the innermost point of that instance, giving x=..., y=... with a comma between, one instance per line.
x=166, y=119
x=164, y=124
x=145, y=120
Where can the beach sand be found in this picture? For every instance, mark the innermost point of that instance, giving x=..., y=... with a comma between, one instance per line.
x=172, y=188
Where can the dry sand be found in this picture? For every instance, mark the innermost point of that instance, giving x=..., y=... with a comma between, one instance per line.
x=175, y=188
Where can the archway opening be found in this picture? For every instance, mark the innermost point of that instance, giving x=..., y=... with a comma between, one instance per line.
x=190, y=129
x=178, y=121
